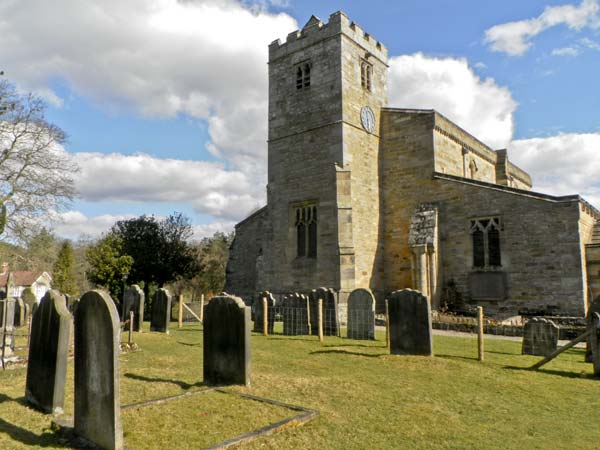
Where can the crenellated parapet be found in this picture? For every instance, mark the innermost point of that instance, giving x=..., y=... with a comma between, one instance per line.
x=316, y=30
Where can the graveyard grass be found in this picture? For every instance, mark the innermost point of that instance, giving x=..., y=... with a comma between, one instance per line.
x=365, y=397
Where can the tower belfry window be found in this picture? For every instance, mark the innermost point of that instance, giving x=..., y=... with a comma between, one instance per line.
x=366, y=75
x=306, y=231
x=303, y=76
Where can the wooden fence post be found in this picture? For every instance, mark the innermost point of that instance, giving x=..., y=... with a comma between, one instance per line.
x=180, y=311
x=130, y=325
x=480, y=341
x=321, y=320
x=265, y=316
x=202, y=308
x=387, y=324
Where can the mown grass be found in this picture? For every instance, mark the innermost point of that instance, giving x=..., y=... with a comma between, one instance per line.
x=366, y=398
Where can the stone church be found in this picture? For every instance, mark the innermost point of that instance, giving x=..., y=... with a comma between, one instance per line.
x=364, y=195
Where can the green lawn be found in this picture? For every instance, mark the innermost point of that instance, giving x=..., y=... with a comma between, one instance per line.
x=366, y=398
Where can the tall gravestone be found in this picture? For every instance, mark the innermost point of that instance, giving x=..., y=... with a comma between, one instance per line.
x=361, y=314
x=409, y=323
x=8, y=323
x=48, y=353
x=259, y=312
x=226, y=341
x=331, y=325
x=97, y=392
x=295, y=311
x=133, y=300
x=161, y=311
x=540, y=337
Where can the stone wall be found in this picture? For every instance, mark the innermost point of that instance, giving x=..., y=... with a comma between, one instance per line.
x=244, y=255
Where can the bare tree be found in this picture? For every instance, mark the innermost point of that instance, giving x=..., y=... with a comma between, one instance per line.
x=36, y=173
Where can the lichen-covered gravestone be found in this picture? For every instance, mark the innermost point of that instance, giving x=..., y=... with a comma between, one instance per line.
x=133, y=300
x=361, y=314
x=294, y=309
x=48, y=352
x=409, y=323
x=7, y=310
x=540, y=337
x=19, y=312
x=330, y=312
x=226, y=341
x=97, y=393
x=161, y=311
x=259, y=312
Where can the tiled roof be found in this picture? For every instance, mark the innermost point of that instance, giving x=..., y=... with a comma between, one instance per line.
x=22, y=277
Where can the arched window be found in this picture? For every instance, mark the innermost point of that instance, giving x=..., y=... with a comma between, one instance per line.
x=366, y=74
x=485, y=234
x=306, y=231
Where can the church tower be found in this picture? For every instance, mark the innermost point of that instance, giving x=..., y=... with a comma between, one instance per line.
x=327, y=85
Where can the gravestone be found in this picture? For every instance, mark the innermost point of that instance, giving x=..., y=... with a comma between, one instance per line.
x=27, y=313
x=594, y=307
x=97, y=392
x=540, y=337
x=595, y=342
x=133, y=300
x=19, y=319
x=161, y=311
x=226, y=341
x=8, y=322
x=295, y=311
x=331, y=325
x=409, y=323
x=361, y=314
x=259, y=313
x=48, y=352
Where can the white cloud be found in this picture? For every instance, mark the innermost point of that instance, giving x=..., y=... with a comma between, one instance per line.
x=514, y=38
x=206, y=58
x=563, y=164
x=74, y=224
x=566, y=51
x=451, y=87
x=209, y=229
x=208, y=187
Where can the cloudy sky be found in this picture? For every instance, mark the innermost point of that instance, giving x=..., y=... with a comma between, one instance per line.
x=165, y=101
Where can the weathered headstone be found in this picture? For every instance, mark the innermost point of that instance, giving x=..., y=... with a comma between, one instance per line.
x=540, y=337
x=161, y=311
x=48, y=352
x=594, y=307
x=410, y=323
x=97, y=392
x=133, y=300
x=294, y=309
x=7, y=306
x=331, y=325
x=595, y=342
x=19, y=319
x=361, y=314
x=226, y=341
x=259, y=312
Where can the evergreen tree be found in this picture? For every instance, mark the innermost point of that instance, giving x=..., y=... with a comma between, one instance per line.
x=63, y=271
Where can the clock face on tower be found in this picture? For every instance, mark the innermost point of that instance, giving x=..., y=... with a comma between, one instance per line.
x=367, y=119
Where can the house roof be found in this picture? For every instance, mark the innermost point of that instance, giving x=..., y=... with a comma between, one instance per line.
x=21, y=277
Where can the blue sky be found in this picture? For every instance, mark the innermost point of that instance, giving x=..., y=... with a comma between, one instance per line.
x=164, y=102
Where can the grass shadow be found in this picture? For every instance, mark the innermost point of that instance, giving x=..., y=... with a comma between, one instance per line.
x=559, y=373
x=502, y=353
x=19, y=400
x=346, y=352
x=27, y=437
x=181, y=384
x=291, y=338
x=190, y=345
x=467, y=358
x=356, y=345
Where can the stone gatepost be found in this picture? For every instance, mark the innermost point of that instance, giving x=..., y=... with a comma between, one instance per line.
x=409, y=316
x=48, y=353
x=97, y=392
x=226, y=341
